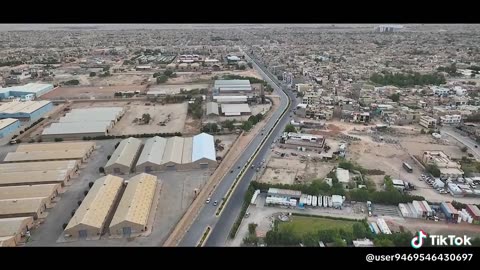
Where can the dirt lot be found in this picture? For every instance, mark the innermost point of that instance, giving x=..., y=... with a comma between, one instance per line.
x=158, y=113
x=175, y=88
x=227, y=141
x=416, y=145
x=89, y=92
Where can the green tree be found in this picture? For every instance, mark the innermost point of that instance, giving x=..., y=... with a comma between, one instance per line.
x=464, y=149
x=359, y=230
x=210, y=127
x=162, y=79
x=338, y=242
x=383, y=243
x=146, y=118
x=107, y=68
x=247, y=125
x=168, y=73
x=253, y=119
x=395, y=97
x=433, y=170
x=250, y=65
x=93, y=74
x=156, y=74
x=290, y=128
x=229, y=124
x=252, y=228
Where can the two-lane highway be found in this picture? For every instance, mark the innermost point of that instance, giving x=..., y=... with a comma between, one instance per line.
x=222, y=225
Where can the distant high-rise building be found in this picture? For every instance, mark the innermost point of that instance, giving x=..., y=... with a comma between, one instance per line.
x=388, y=28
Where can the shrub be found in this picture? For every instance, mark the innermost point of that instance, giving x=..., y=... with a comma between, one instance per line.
x=64, y=225
x=79, y=202
x=90, y=184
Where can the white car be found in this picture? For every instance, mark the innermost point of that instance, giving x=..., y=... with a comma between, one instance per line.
x=208, y=201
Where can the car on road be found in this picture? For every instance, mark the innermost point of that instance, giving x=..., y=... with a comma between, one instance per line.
x=215, y=203
x=207, y=201
x=476, y=146
x=231, y=171
x=238, y=167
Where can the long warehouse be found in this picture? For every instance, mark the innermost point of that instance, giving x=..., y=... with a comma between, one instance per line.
x=12, y=230
x=71, y=166
x=34, y=178
x=123, y=158
x=176, y=153
x=134, y=209
x=25, y=111
x=88, y=147
x=35, y=156
x=22, y=192
x=89, y=219
x=27, y=207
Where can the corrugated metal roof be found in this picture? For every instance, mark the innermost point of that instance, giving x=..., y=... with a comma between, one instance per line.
x=227, y=83
x=137, y=200
x=44, y=155
x=235, y=108
x=8, y=121
x=77, y=127
x=474, y=209
x=11, y=226
x=153, y=151
x=93, y=114
x=23, y=107
x=19, y=192
x=38, y=166
x=203, y=147
x=33, y=177
x=222, y=99
x=284, y=191
x=125, y=153
x=173, y=150
x=187, y=150
x=21, y=206
x=30, y=87
x=55, y=146
x=212, y=108
x=98, y=202
x=343, y=175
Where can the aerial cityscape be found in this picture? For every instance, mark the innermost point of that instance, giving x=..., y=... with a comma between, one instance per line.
x=239, y=135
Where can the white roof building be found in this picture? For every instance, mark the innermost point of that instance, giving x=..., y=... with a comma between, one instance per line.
x=235, y=109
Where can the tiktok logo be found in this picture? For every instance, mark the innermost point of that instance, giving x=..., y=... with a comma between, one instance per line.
x=417, y=241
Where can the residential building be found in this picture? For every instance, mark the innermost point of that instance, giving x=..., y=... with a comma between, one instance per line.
x=428, y=122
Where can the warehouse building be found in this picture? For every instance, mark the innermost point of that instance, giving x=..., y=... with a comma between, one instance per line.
x=235, y=109
x=27, y=207
x=123, y=159
x=13, y=229
x=36, y=89
x=9, y=126
x=33, y=178
x=450, y=212
x=134, y=209
x=89, y=219
x=232, y=87
x=25, y=111
x=230, y=99
x=71, y=166
x=22, y=192
x=212, y=109
x=176, y=153
x=448, y=168
x=303, y=142
x=80, y=123
x=51, y=152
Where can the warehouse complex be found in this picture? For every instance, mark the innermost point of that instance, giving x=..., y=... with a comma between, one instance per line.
x=51, y=152
x=135, y=206
x=123, y=159
x=178, y=153
x=80, y=123
x=90, y=218
x=12, y=230
x=232, y=87
x=8, y=126
x=25, y=111
x=35, y=90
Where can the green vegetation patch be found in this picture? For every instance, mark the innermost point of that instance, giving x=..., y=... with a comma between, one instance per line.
x=300, y=225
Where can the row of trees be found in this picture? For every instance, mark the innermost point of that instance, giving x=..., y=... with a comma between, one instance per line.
x=407, y=79
x=195, y=108
x=451, y=70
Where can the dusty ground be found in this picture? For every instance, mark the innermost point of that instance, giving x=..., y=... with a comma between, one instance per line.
x=177, y=112
x=175, y=88
x=417, y=144
x=432, y=227
x=90, y=92
x=227, y=141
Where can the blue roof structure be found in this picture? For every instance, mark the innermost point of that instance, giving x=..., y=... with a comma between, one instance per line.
x=203, y=147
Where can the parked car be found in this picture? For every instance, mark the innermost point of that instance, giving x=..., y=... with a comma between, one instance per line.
x=215, y=203
x=208, y=201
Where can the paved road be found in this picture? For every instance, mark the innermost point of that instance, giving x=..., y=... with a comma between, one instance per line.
x=468, y=142
x=222, y=225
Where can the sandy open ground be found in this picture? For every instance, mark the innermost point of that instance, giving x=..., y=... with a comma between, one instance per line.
x=158, y=113
x=90, y=92
x=175, y=88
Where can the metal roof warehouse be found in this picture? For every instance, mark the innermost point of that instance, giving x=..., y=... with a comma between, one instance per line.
x=122, y=160
x=33, y=177
x=235, y=109
x=31, y=207
x=134, y=208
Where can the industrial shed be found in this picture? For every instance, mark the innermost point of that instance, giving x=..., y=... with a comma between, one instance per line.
x=151, y=157
x=38, y=89
x=27, y=207
x=223, y=87
x=98, y=114
x=134, y=208
x=25, y=111
x=71, y=166
x=49, y=191
x=35, y=156
x=235, y=109
x=33, y=178
x=88, y=147
x=12, y=230
x=89, y=219
x=212, y=108
x=178, y=153
x=123, y=159
x=8, y=126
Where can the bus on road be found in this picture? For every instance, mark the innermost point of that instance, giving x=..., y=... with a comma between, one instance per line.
x=407, y=167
